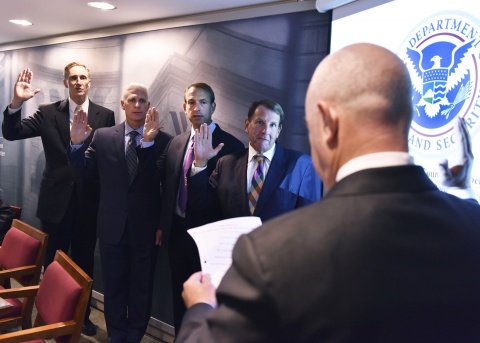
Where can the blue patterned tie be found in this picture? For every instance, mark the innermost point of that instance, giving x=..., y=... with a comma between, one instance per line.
x=131, y=154
x=257, y=183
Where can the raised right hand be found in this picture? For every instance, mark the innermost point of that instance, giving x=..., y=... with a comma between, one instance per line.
x=23, y=89
x=80, y=128
x=203, y=147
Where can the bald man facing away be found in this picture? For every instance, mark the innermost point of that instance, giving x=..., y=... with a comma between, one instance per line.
x=384, y=257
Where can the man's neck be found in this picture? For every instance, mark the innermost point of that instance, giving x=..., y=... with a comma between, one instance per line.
x=79, y=100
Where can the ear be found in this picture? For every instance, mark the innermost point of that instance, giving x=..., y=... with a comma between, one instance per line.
x=122, y=104
x=246, y=124
x=214, y=106
x=329, y=127
x=65, y=83
x=184, y=107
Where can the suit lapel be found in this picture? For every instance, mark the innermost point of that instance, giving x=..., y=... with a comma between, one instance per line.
x=216, y=136
x=93, y=115
x=62, y=116
x=180, y=146
x=241, y=171
x=274, y=177
x=118, y=140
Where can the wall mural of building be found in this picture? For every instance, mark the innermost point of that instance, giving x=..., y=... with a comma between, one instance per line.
x=270, y=57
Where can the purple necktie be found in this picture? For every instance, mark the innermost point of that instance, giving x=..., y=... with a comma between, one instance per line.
x=257, y=183
x=182, y=190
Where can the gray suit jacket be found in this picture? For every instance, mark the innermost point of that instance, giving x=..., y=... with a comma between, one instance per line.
x=384, y=257
x=123, y=205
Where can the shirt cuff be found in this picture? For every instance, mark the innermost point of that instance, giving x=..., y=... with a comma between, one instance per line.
x=75, y=147
x=146, y=144
x=195, y=170
x=12, y=111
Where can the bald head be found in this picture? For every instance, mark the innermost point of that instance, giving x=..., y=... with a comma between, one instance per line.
x=358, y=102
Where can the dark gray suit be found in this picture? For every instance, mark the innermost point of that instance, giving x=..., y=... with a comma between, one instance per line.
x=67, y=208
x=62, y=202
x=128, y=218
x=183, y=253
x=384, y=257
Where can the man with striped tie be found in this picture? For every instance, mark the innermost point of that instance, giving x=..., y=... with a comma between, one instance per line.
x=265, y=180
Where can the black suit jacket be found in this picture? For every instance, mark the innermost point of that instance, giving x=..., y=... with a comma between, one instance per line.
x=52, y=124
x=171, y=167
x=291, y=183
x=384, y=257
x=121, y=202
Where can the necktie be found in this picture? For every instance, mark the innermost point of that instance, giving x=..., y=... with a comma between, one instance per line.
x=182, y=190
x=78, y=108
x=131, y=154
x=257, y=183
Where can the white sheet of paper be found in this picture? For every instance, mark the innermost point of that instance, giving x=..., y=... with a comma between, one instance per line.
x=4, y=303
x=215, y=243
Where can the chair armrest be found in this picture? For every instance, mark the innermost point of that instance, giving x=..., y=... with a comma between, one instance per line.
x=40, y=332
x=20, y=292
x=15, y=272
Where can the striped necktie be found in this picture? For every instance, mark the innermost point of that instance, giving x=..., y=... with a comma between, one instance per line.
x=257, y=183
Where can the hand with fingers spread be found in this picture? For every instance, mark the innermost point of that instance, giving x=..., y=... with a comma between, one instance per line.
x=23, y=89
x=203, y=148
x=80, y=129
x=199, y=289
x=459, y=175
x=152, y=125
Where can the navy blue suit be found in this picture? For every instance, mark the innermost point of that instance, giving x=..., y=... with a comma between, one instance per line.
x=128, y=218
x=291, y=182
x=183, y=253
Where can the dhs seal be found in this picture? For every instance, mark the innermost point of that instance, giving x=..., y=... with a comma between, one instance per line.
x=442, y=55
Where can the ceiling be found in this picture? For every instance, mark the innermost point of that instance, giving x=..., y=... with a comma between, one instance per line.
x=56, y=18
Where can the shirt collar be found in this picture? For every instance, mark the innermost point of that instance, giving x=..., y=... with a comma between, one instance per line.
x=72, y=105
x=375, y=160
x=268, y=154
x=212, y=127
x=129, y=129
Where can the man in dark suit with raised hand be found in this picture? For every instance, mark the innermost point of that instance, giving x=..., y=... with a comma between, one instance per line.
x=288, y=180
x=67, y=209
x=199, y=106
x=129, y=212
x=385, y=256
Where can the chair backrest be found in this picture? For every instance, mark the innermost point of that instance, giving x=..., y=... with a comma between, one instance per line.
x=24, y=246
x=61, y=300
x=21, y=259
x=63, y=296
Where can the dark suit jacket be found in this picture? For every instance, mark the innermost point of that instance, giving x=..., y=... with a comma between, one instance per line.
x=121, y=202
x=291, y=183
x=171, y=167
x=384, y=257
x=51, y=122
